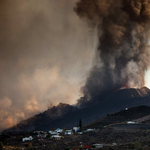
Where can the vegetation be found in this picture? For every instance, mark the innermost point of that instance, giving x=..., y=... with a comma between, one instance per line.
x=131, y=146
x=93, y=146
x=1, y=146
x=81, y=148
x=29, y=145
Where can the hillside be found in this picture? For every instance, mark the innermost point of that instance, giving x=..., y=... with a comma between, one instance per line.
x=66, y=116
x=108, y=130
x=132, y=114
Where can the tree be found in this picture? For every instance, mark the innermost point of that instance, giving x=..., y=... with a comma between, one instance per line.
x=80, y=124
x=1, y=146
x=29, y=145
x=131, y=146
x=81, y=148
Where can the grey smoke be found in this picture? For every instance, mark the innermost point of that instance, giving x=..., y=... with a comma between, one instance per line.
x=124, y=51
x=46, y=52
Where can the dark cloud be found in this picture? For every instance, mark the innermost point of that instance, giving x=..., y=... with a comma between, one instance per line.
x=47, y=52
x=123, y=28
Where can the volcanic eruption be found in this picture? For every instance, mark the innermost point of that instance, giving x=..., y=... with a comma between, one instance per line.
x=124, y=51
x=123, y=54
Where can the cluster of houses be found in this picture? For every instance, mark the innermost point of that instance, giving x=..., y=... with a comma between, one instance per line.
x=56, y=134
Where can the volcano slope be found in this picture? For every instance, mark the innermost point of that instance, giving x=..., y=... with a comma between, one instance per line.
x=66, y=116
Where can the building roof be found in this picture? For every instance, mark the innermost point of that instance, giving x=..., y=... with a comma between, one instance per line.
x=87, y=146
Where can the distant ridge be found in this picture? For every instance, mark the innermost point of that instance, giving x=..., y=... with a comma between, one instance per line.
x=137, y=114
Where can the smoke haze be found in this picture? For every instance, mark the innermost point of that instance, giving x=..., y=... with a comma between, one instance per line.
x=124, y=51
x=46, y=53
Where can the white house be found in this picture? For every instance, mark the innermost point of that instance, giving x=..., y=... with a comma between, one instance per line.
x=130, y=122
x=88, y=130
x=53, y=132
x=76, y=129
x=30, y=138
x=57, y=137
x=41, y=135
x=68, y=132
x=58, y=130
x=114, y=144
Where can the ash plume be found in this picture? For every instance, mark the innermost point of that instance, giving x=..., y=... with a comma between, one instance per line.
x=124, y=52
x=43, y=57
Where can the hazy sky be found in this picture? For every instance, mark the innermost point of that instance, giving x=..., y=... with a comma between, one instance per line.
x=46, y=54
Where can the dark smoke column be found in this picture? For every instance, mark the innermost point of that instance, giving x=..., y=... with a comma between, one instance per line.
x=123, y=30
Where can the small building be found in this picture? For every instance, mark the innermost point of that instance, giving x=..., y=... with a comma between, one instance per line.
x=130, y=122
x=68, y=132
x=89, y=130
x=53, y=132
x=80, y=132
x=58, y=130
x=76, y=129
x=98, y=145
x=114, y=144
x=41, y=135
x=86, y=147
x=56, y=137
x=30, y=138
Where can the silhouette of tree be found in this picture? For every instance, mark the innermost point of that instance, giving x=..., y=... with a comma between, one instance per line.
x=80, y=124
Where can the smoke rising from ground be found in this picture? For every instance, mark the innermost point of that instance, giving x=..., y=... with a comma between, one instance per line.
x=123, y=29
x=44, y=56
x=46, y=52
